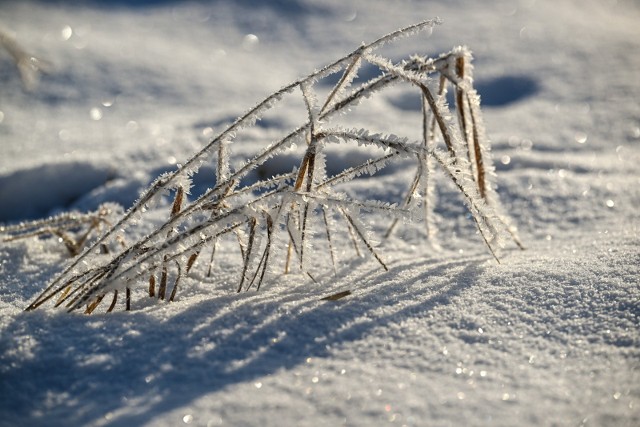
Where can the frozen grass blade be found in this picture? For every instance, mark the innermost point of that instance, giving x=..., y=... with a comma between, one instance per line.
x=358, y=232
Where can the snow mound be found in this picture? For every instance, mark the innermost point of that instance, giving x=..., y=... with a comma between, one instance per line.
x=42, y=190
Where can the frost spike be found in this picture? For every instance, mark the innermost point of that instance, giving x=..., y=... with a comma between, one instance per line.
x=264, y=260
x=248, y=252
x=326, y=225
x=364, y=240
x=213, y=252
x=345, y=80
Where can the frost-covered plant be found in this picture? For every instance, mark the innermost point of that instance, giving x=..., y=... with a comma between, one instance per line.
x=73, y=229
x=293, y=212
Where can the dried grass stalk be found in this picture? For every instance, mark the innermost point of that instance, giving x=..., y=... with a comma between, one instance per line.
x=305, y=206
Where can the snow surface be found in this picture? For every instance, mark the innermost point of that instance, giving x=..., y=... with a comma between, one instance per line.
x=549, y=336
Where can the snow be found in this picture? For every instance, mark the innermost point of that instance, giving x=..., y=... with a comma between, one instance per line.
x=548, y=336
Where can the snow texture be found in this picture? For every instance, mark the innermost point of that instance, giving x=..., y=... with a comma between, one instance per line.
x=448, y=336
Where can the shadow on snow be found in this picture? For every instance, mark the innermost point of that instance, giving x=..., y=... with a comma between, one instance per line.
x=95, y=363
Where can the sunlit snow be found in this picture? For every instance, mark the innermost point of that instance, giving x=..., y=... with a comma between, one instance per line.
x=126, y=90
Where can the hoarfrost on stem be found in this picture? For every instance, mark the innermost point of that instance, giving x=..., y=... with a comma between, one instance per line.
x=301, y=209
